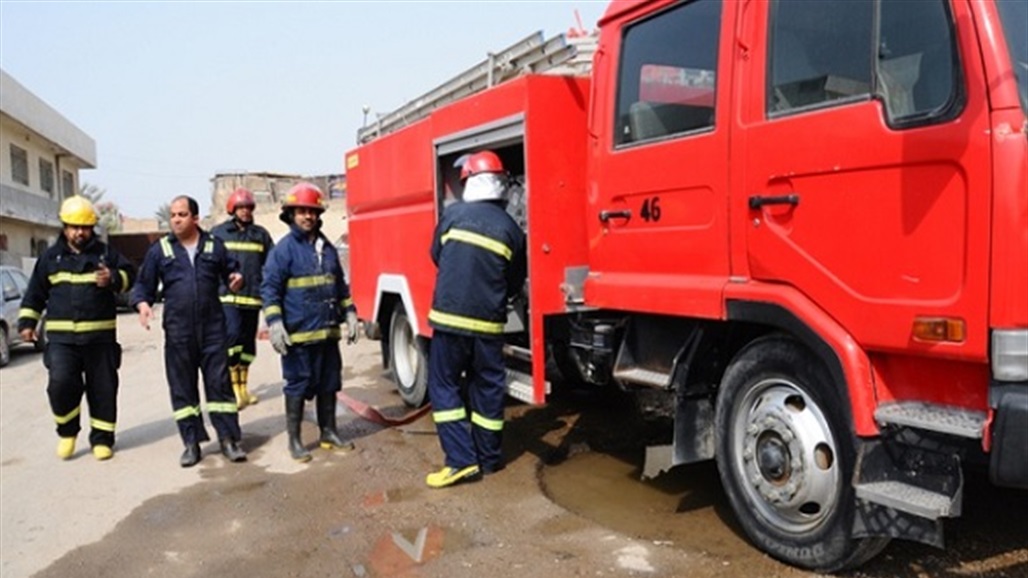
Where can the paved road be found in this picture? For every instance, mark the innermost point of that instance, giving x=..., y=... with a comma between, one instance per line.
x=569, y=504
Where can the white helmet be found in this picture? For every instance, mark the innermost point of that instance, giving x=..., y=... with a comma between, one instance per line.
x=484, y=187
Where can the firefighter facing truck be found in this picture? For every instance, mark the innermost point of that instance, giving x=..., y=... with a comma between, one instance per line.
x=480, y=254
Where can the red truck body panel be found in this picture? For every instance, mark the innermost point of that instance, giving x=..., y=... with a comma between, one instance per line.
x=891, y=226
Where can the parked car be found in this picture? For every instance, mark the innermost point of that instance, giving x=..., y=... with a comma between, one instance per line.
x=14, y=283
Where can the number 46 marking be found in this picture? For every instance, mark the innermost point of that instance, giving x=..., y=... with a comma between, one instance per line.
x=650, y=210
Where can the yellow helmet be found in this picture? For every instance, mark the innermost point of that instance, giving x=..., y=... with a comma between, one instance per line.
x=78, y=211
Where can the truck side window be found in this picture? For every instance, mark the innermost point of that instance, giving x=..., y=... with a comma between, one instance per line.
x=667, y=77
x=917, y=62
x=819, y=53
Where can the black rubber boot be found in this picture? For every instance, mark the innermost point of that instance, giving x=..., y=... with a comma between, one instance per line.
x=330, y=439
x=294, y=417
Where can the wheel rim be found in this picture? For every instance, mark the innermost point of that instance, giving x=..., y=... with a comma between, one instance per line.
x=5, y=346
x=405, y=353
x=786, y=459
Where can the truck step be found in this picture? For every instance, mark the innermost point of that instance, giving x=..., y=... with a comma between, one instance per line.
x=908, y=498
x=931, y=417
x=642, y=376
x=519, y=386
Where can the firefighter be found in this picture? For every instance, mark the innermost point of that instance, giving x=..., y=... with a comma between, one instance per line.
x=249, y=243
x=191, y=263
x=480, y=255
x=75, y=281
x=305, y=299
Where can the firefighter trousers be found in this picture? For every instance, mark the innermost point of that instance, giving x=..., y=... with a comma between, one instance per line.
x=312, y=369
x=241, y=324
x=92, y=369
x=469, y=421
x=182, y=362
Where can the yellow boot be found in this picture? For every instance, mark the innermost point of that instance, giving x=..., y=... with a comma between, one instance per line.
x=65, y=448
x=102, y=452
x=241, y=398
x=244, y=375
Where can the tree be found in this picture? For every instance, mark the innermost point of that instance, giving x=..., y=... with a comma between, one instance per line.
x=163, y=215
x=108, y=213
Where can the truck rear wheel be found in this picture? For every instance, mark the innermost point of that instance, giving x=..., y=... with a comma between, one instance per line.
x=408, y=360
x=786, y=457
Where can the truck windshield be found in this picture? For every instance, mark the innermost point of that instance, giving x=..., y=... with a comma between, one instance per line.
x=1014, y=13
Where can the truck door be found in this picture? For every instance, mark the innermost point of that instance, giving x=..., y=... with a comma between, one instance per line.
x=867, y=176
x=656, y=217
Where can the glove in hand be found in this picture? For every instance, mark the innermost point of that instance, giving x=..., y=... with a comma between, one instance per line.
x=279, y=337
x=351, y=327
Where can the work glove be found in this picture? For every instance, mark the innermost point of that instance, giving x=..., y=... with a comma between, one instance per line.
x=351, y=326
x=279, y=338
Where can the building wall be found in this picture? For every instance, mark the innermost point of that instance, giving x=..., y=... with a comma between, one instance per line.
x=23, y=240
x=43, y=138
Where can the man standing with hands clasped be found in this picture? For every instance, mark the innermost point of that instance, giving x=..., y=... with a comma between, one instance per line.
x=191, y=264
x=75, y=282
x=305, y=299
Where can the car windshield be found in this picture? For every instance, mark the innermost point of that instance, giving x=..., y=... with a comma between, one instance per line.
x=1014, y=13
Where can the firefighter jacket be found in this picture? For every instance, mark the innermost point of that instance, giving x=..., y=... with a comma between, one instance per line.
x=250, y=247
x=64, y=284
x=191, y=305
x=304, y=287
x=480, y=253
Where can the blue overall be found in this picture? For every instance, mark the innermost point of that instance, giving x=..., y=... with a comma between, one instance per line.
x=304, y=287
x=249, y=245
x=480, y=254
x=194, y=332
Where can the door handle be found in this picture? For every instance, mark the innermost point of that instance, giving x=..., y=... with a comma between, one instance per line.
x=606, y=215
x=758, y=201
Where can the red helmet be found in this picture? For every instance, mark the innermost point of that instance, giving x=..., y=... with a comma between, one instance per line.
x=481, y=162
x=304, y=195
x=239, y=198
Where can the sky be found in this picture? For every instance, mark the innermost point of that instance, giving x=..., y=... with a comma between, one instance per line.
x=176, y=92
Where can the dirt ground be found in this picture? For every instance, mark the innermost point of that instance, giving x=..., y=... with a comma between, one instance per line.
x=570, y=502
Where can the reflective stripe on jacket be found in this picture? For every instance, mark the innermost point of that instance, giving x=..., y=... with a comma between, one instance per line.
x=480, y=253
x=304, y=286
x=249, y=246
x=64, y=284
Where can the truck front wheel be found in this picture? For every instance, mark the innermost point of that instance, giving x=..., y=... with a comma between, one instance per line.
x=408, y=360
x=786, y=456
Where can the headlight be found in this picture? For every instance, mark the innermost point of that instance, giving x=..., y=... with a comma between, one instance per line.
x=1010, y=355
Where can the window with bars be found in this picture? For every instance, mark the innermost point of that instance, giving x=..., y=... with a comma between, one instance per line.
x=46, y=176
x=19, y=165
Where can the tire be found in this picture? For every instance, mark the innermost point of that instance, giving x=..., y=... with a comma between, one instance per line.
x=785, y=455
x=408, y=360
x=5, y=346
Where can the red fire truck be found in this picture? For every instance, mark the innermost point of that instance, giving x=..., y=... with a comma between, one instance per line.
x=800, y=229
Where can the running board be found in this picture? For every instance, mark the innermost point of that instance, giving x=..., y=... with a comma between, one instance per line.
x=934, y=418
x=519, y=386
x=907, y=498
x=640, y=376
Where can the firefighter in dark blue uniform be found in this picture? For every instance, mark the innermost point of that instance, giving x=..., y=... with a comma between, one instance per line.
x=191, y=264
x=249, y=244
x=75, y=282
x=480, y=254
x=306, y=298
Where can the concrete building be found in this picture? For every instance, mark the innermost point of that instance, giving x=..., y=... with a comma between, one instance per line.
x=41, y=153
